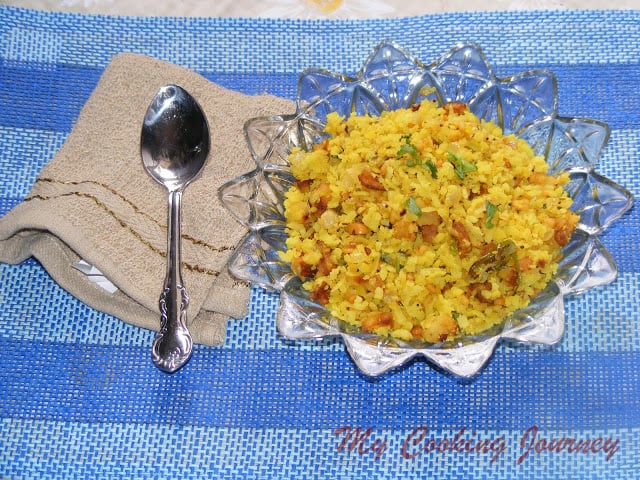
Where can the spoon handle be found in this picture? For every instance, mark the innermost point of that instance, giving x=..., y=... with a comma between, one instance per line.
x=173, y=344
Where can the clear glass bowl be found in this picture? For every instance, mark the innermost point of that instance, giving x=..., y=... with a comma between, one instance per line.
x=524, y=104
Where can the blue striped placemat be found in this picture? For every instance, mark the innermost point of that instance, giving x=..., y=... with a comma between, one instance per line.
x=79, y=397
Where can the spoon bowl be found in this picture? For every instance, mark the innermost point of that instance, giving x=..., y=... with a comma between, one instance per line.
x=174, y=145
x=175, y=138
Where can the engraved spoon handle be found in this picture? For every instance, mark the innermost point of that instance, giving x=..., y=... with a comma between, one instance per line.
x=173, y=344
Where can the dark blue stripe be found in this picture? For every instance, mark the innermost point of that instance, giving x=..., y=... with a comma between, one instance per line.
x=282, y=85
x=604, y=92
x=321, y=389
x=50, y=97
x=43, y=96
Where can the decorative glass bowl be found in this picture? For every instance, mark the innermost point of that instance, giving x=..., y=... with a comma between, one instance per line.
x=524, y=104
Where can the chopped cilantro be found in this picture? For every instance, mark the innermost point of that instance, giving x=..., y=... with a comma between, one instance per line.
x=429, y=165
x=414, y=158
x=395, y=261
x=409, y=149
x=461, y=166
x=491, y=210
x=387, y=258
x=413, y=207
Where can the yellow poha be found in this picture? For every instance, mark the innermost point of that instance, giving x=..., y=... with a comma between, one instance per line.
x=424, y=223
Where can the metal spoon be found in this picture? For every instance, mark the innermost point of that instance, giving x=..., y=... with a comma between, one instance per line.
x=174, y=145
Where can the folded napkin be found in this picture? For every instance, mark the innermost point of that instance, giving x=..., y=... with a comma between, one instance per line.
x=95, y=202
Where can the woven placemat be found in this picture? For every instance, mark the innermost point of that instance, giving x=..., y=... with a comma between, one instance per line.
x=79, y=397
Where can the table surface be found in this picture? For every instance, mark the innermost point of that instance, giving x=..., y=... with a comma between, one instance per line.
x=79, y=397
x=308, y=8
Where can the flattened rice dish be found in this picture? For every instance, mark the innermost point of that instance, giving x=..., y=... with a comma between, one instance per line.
x=424, y=223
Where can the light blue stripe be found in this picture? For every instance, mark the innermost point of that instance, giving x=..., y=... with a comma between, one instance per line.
x=243, y=45
x=57, y=450
x=29, y=298
x=33, y=306
x=601, y=320
x=258, y=330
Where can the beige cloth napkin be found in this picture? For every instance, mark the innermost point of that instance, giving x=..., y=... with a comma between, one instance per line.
x=94, y=201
